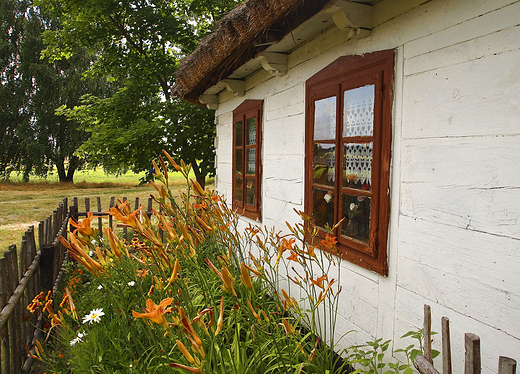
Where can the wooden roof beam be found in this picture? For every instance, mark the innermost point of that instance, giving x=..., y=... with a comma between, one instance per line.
x=353, y=18
x=274, y=63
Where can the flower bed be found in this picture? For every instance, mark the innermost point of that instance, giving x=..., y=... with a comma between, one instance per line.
x=191, y=293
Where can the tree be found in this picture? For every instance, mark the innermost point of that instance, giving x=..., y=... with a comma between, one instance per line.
x=139, y=44
x=35, y=138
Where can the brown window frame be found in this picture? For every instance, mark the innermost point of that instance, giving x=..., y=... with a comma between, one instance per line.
x=346, y=73
x=247, y=110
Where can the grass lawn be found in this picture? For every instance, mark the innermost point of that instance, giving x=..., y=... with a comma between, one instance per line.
x=23, y=205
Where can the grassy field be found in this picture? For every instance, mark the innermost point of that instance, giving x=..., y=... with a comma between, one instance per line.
x=23, y=205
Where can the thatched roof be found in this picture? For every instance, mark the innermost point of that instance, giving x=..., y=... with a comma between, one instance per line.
x=254, y=22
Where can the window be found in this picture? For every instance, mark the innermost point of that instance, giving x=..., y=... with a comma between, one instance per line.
x=348, y=144
x=247, y=168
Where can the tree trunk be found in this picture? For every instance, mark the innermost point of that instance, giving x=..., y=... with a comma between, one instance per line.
x=201, y=178
x=66, y=176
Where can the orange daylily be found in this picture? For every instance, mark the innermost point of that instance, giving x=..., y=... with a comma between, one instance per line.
x=225, y=276
x=115, y=244
x=184, y=367
x=121, y=214
x=244, y=276
x=155, y=313
x=84, y=227
x=220, y=322
x=319, y=282
x=293, y=257
x=323, y=294
x=289, y=330
x=77, y=251
x=329, y=241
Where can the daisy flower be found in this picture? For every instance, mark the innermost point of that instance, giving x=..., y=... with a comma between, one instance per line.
x=78, y=338
x=131, y=283
x=94, y=316
x=100, y=287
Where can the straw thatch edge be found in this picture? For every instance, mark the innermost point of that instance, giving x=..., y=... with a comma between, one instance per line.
x=223, y=50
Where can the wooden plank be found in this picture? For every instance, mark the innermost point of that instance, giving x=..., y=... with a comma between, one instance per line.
x=110, y=218
x=125, y=229
x=446, y=346
x=506, y=365
x=427, y=331
x=149, y=208
x=462, y=106
x=472, y=357
x=424, y=366
x=100, y=219
x=41, y=233
x=46, y=267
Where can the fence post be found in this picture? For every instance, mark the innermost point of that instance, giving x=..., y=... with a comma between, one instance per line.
x=428, y=333
x=446, y=346
x=506, y=365
x=47, y=267
x=472, y=359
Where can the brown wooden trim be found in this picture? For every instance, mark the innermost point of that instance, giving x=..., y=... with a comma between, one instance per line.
x=346, y=73
x=247, y=110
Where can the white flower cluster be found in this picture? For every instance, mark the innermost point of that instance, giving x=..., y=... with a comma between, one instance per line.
x=78, y=338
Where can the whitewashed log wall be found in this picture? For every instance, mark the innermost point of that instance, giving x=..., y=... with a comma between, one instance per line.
x=454, y=238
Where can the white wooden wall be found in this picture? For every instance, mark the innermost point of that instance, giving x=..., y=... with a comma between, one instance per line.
x=454, y=238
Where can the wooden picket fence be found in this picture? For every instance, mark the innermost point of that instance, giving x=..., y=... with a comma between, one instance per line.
x=34, y=269
x=472, y=365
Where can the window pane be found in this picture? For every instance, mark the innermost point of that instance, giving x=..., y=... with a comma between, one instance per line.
x=357, y=166
x=324, y=164
x=250, y=191
x=325, y=119
x=238, y=161
x=358, y=111
x=239, y=191
x=238, y=133
x=251, y=131
x=323, y=207
x=356, y=210
x=251, y=161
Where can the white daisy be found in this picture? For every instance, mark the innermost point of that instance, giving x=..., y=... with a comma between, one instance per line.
x=131, y=283
x=100, y=287
x=94, y=316
x=78, y=338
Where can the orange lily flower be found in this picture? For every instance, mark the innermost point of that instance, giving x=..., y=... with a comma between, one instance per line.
x=185, y=352
x=155, y=313
x=329, y=241
x=128, y=219
x=293, y=257
x=319, y=282
x=114, y=242
x=289, y=330
x=184, y=367
x=324, y=293
x=246, y=279
x=83, y=227
x=220, y=322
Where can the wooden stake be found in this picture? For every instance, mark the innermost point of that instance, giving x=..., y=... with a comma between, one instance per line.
x=472, y=365
x=428, y=333
x=446, y=346
x=506, y=365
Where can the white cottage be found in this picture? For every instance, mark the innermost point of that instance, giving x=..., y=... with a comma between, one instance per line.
x=401, y=117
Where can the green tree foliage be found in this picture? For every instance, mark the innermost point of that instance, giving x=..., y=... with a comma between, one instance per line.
x=33, y=138
x=139, y=44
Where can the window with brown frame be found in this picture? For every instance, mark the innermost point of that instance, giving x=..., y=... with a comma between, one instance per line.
x=348, y=150
x=247, y=168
